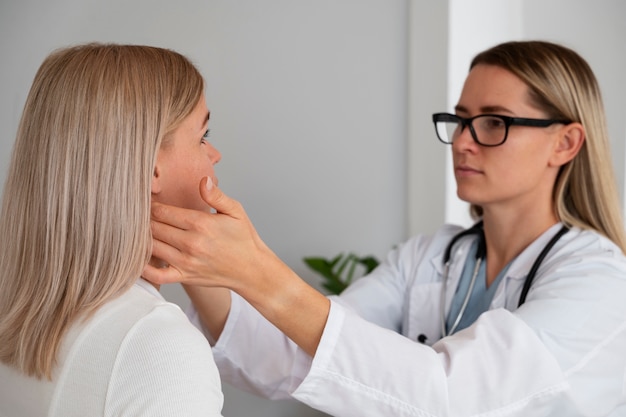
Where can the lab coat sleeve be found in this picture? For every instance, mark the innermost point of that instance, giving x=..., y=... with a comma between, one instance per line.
x=560, y=354
x=381, y=296
x=578, y=310
x=381, y=373
x=253, y=355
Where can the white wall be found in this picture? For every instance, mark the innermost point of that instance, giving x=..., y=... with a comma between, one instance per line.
x=321, y=109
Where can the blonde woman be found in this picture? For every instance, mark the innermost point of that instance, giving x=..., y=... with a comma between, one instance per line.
x=522, y=315
x=106, y=129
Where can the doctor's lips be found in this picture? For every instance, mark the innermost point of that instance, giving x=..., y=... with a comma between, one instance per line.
x=464, y=170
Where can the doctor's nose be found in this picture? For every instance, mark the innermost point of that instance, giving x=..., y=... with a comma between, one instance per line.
x=463, y=138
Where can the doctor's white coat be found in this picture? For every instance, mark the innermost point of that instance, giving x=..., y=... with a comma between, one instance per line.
x=563, y=353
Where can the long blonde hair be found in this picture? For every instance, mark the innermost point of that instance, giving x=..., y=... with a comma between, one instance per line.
x=562, y=84
x=75, y=222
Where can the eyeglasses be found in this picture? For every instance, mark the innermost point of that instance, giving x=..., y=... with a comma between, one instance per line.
x=486, y=129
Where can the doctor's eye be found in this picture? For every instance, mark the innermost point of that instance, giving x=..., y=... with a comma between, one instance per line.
x=491, y=123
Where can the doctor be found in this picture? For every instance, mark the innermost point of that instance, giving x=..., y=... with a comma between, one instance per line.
x=522, y=315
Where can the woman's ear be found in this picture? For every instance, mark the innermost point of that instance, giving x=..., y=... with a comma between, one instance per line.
x=571, y=139
x=156, y=180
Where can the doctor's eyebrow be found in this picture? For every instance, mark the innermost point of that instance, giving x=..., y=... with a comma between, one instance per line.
x=484, y=109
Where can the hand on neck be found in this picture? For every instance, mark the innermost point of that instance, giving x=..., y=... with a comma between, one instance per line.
x=158, y=263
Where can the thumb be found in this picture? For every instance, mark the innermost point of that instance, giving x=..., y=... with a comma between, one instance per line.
x=215, y=198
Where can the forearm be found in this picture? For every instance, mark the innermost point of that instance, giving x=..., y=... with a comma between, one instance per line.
x=212, y=305
x=288, y=302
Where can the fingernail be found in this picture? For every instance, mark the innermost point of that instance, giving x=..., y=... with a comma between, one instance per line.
x=209, y=183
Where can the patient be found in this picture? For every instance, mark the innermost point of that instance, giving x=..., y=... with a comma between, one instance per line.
x=105, y=130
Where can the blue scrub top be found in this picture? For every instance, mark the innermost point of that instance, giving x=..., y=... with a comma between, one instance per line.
x=481, y=296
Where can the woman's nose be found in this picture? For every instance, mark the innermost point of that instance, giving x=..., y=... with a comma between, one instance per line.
x=214, y=155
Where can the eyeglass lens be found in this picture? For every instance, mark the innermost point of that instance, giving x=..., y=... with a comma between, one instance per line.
x=487, y=130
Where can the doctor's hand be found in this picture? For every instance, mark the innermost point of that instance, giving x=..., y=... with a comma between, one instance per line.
x=223, y=249
x=208, y=249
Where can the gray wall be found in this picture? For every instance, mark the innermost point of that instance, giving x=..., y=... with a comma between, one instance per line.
x=320, y=108
x=308, y=110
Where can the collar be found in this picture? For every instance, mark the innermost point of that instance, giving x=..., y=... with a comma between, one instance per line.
x=145, y=285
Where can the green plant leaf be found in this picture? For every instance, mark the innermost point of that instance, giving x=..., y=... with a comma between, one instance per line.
x=339, y=271
x=354, y=261
x=369, y=262
x=335, y=287
x=336, y=259
x=342, y=265
x=321, y=266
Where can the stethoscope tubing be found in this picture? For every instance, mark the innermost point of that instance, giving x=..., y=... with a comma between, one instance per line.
x=466, y=299
x=480, y=256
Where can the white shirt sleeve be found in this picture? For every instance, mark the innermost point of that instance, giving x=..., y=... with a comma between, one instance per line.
x=164, y=367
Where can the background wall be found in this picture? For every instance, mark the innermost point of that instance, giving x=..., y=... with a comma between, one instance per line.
x=308, y=110
x=321, y=109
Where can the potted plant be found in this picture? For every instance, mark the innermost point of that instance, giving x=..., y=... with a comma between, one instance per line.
x=339, y=272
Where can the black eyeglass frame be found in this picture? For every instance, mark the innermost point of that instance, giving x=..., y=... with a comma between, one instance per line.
x=508, y=122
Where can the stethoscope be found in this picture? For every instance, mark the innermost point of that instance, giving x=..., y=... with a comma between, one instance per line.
x=481, y=251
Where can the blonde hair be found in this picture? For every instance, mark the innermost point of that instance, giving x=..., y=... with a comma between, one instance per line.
x=562, y=84
x=75, y=221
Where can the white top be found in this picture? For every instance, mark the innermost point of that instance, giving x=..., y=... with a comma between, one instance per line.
x=563, y=353
x=137, y=356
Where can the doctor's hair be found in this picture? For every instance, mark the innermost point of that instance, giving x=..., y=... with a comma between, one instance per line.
x=562, y=84
x=75, y=220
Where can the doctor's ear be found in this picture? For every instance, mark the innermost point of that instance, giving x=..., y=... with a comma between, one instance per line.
x=571, y=139
x=156, y=186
